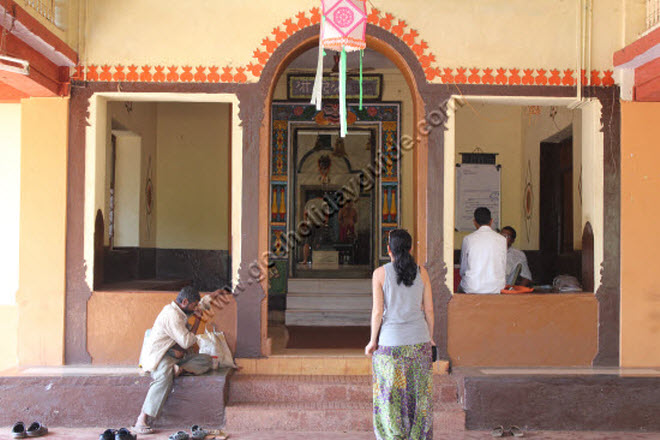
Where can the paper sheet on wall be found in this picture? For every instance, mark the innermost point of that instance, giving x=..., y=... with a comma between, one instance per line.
x=476, y=185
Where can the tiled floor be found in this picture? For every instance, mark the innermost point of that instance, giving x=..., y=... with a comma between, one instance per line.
x=93, y=434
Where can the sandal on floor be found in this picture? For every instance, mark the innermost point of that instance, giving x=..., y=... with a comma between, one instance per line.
x=199, y=433
x=108, y=434
x=497, y=431
x=143, y=429
x=181, y=435
x=516, y=431
x=18, y=430
x=125, y=434
x=36, y=429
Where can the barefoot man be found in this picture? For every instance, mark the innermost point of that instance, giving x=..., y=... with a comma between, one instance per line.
x=166, y=353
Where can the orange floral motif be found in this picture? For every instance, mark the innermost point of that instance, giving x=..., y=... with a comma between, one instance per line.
x=607, y=78
x=474, y=77
x=554, y=80
x=541, y=79
x=240, y=75
x=187, y=75
x=105, y=75
x=78, y=73
x=399, y=29
x=595, y=78
x=432, y=72
x=291, y=28
x=146, y=74
x=132, y=73
x=316, y=15
x=92, y=75
x=303, y=21
x=409, y=38
x=528, y=79
x=448, y=76
x=514, y=78
x=255, y=69
x=488, y=77
x=568, y=79
x=420, y=48
x=426, y=60
x=262, y=57
x=227, y=76
x=159, y=76
x=119, y=73
x=374, y=17
x=213, y=75
x=200, y=76
x=501, y=76
x=269, y=44
x=460, y=77
x=280, y=36
x=386, y=23
x=173, y=76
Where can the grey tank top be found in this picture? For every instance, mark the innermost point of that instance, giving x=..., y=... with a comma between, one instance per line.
x=404, y=322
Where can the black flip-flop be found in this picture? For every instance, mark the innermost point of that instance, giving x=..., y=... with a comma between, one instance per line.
x=108, y=434
x=125, y=434
x=18, y=430
x=36, y=429
x=516, y=431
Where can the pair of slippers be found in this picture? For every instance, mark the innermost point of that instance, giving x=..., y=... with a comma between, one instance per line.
x=117, y=434
x=198, y=433
x=36, y=429
x=513, y=430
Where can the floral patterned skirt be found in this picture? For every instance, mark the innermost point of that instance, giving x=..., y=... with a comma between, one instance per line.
x=403, y=392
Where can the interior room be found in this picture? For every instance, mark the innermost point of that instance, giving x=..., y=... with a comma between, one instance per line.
x=164, y=215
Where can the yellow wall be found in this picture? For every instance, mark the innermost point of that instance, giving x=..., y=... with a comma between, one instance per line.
x=193, y=176
x=41, y=294
x=481, y=33
x=139, y=118
x=640, y=202
x=9, y=330
x=10, y=190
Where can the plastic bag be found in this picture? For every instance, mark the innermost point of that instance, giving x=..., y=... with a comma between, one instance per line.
x=145, y=343
x=215, y=345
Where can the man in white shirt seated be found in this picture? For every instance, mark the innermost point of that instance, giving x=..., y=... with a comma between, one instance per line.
x=514, y=257
x=166, y=353
x=483, y=257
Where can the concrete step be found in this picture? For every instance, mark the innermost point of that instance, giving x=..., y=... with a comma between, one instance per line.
x=325, y=417
x=291, y=389
x=329, y=285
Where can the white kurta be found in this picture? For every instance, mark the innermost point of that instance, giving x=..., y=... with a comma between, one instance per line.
x=515, y=257
x=169, y=329
x=483, y=261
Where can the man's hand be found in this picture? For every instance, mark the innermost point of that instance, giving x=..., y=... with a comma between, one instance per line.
x=178, y=351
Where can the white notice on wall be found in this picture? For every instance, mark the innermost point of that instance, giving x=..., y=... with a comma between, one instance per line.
x=477, y=185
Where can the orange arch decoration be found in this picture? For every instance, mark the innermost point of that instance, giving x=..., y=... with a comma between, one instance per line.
x=387, y=21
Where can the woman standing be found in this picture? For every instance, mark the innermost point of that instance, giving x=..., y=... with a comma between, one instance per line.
x=401, y=328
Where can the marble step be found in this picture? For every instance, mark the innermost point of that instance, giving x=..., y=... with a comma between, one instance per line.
x=329, y=286
x=335, y=302
x=328, y=318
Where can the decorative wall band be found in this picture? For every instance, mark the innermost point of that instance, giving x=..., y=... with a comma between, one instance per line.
x=252, y=71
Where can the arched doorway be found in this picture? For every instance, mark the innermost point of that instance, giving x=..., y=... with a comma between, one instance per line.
x=276, y=220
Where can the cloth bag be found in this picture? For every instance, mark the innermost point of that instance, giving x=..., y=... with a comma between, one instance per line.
x=215, y=345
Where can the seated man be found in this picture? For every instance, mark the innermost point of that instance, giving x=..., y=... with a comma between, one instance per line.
x=166, y=356
x=483, y=257
x=515, y=257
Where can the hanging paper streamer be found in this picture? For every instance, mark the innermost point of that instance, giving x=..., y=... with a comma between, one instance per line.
x=343, y=28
